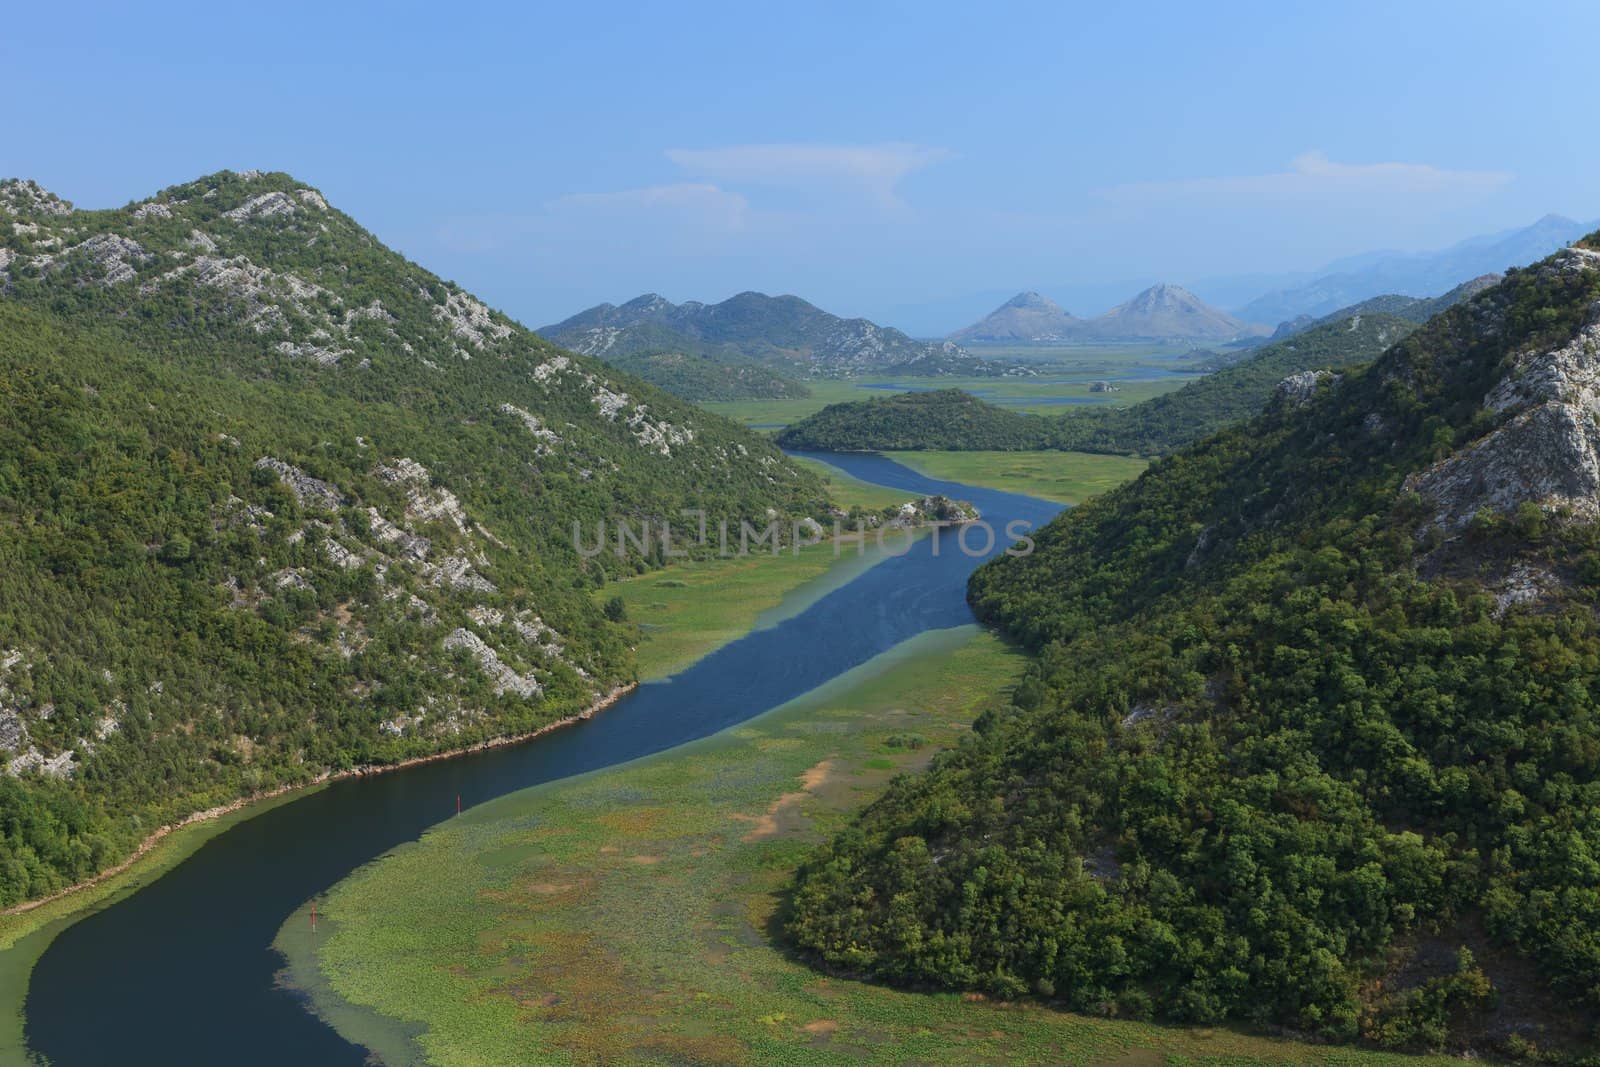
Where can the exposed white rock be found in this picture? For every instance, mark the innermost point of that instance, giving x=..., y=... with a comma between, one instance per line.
x=609, y=403
x=413, y=546
x=469, y=320
x=264, y=206
x=58, y=766
x=290, y=579
x=1525, y=584
x=1546, y=448
x=113, y=255
x=153, y=209
x=486, y=616
x=341, y=556
x=424, y=502
x=307, y=490
x=457, y=573
x=1298, y=389
x=13, y=731
x=321, y=355
x=265, y=294
x=24, y=196
x=402, y=470
x=505, y=679
x=545, y=436
x=312, y=197
x=551, y=368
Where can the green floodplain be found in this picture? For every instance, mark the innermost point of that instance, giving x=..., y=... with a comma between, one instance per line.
x=1017, y=393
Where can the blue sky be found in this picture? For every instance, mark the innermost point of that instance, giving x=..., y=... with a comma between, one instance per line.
x=882, y=159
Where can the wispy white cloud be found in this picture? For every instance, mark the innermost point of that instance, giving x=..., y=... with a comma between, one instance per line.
x=1313, y=176
x=876, y=169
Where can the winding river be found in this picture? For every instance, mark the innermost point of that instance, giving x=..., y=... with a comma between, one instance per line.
x=182, y=971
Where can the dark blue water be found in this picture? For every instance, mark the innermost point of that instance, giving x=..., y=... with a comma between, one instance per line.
x=182, y=971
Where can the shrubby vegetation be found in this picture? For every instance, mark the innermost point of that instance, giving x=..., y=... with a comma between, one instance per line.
x=1283, y=742
x=950, y=420
x=695, y=377
x=191, y=629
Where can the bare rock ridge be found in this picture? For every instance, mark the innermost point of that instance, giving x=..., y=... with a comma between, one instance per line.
x=1545, y=445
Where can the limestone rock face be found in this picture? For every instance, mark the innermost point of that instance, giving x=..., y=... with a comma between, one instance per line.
x=1545, y=449
x=1298, y=389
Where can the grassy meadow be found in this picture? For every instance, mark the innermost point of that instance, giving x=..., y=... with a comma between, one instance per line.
x=1019, y=394
x=628, y=915
x=1065, y=477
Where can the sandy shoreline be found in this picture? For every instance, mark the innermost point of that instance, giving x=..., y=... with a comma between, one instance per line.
x=208, y=814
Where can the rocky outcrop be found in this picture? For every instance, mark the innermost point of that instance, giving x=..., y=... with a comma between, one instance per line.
x=1545, y=447
x=313, y=492
x=1298, y=389
x=27, y=197
x=504, y=678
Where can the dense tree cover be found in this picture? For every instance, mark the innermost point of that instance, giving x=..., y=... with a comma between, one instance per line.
x=1284, y=743
x=1153, y=427
x=180, y=627
x=694, y=377
x=938, y=419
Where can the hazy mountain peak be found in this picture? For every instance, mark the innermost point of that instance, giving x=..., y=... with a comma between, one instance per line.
x=1027, y=318
x=1416, y=274
x=1033, y=300
x=647, y=304
x=1162, y=312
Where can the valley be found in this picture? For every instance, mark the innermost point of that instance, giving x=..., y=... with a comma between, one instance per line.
x=1042, y=535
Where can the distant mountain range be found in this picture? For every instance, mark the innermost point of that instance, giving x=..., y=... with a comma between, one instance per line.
x=1412, y=308
x=1161, y=313
x=782, y=333
x=1419, y=274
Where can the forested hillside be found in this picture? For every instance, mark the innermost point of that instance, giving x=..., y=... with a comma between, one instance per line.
x=1313, y=740
x=278, y=502
x=702, y=378
x=950, y=419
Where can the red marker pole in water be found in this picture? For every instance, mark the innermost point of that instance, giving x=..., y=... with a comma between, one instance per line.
x=458, y=803
x=313, y=916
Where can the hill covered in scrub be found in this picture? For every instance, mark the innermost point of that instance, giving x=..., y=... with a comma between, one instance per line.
x=947, y=419
x=1313, y=739
x=706, y=378
x=277, y=502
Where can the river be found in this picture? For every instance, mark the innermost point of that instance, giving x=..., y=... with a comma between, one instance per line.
x=182, y=971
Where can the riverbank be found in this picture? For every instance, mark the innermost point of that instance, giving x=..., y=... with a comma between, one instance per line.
x=690, y=609
x=26, y=929
x=629, y=914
